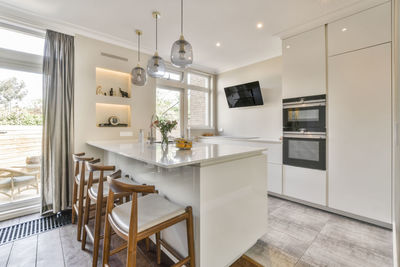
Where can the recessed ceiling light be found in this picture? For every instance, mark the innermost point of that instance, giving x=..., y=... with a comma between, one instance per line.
x=344, y=29
x=218, y=44
x=259, y=25
x=288, y=46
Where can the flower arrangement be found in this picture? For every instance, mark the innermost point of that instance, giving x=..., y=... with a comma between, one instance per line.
x=165, y=126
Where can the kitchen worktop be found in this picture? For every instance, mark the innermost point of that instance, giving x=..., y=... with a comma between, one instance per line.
x=243, y=139
x=173, y=157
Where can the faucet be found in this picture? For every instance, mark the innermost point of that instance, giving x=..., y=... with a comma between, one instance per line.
x=152, y=137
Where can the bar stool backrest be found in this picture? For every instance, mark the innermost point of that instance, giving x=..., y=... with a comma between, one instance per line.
x=80, y=159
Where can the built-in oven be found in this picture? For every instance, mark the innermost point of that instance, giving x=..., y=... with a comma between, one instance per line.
x=307, y=150
x=304, y=114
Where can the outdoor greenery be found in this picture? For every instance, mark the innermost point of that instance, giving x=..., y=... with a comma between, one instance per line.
x=12, y=92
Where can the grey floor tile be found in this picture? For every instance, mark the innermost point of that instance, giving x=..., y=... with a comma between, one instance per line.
x=30, y=217
x=307, y=217
x=286, y=242
x=73, y=255
x=326, y=251
x=270, y=256
x=5, y=253
x=49, y=251
x=364, y=235
x=10, y=222
x=23, y=252
x=274, y=203
x=297, y=230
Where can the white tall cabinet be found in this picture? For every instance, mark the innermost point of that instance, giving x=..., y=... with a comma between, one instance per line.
x=304, y=64
x=359, y=115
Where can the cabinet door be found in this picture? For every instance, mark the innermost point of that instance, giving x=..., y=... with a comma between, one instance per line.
x=364, y=29
x=275, y=178
x=304, y=64
x=359, y=132
x=305, y=184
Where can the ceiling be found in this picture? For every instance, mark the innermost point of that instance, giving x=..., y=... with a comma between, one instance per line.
x=232, y=23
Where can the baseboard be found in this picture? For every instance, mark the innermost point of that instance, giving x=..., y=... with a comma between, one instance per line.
x=335, y=211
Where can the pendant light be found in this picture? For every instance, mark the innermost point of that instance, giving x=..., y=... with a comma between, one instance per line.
x=139, y=75
x=156, y=65
x=181, y=51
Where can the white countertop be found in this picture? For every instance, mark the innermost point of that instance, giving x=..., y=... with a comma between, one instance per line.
x=173, y=157
x=243, y=139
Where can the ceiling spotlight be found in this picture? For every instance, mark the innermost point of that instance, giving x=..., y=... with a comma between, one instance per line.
x=344, y=29
x=259, y=25
x=218, y=44
x=288, y=46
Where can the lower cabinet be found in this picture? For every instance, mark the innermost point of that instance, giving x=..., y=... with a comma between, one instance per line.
x=305, y=184
x=275, y=178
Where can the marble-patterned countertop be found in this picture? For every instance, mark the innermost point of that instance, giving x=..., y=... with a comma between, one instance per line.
x=173, y=157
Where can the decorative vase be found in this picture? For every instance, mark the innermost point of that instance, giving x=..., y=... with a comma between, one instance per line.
x=164, y=140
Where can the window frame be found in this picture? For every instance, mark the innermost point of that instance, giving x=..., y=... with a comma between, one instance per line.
x=185, y=86
x=25, y=62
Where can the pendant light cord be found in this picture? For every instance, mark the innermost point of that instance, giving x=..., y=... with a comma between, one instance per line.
x=156, y=32
x=138, y=47
x=181, y=17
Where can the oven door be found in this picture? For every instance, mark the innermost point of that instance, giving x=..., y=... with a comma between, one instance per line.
x=310, y=118
x=306, y=151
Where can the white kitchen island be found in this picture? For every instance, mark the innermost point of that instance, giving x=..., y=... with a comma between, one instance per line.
x=225, y=184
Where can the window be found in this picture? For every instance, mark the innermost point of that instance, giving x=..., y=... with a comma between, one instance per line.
x=198, y=80
x=21, y=42
x=173, y=75
x=168, y=106
x=198, y=108
x=21, y=56
x=195, y=98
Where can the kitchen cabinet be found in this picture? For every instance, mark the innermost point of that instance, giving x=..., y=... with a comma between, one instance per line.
x=304, y=64
x=361, y=30
x=359, y=132
x=274, y=157
x=305, y=184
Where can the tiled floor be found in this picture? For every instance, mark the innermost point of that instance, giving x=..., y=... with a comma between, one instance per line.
x=297, y=236
x=302, y=236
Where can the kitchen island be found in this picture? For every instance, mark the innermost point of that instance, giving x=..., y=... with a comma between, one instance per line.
x=225, y=184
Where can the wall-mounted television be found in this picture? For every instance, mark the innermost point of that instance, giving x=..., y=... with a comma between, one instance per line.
x=244, y=95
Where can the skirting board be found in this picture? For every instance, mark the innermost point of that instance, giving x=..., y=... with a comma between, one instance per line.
x=335, y=211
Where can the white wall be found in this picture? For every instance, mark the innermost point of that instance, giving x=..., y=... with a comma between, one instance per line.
x=261, y=121
x=87, y=58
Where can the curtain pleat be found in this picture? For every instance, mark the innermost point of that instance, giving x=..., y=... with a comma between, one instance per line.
x=58, y=115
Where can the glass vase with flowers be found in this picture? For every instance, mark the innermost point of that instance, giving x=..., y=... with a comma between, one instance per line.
x=165, y=126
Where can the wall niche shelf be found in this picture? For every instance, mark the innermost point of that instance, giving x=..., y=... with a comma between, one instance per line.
x=104, y=111
x=107, y=79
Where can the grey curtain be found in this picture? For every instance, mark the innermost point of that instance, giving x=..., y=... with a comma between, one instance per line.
x=58, y=115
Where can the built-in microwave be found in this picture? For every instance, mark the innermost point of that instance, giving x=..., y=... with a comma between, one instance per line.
x=304, y=114
x=307, y=150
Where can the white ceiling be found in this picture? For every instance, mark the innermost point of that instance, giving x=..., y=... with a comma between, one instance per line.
x=230, y=22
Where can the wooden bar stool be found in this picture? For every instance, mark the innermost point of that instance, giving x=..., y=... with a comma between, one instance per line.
x=97, y=192
x=78, y=191
x=142, y=217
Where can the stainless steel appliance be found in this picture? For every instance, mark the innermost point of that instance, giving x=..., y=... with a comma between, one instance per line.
x=307, y=150
x=304, y=114
x=304, y=132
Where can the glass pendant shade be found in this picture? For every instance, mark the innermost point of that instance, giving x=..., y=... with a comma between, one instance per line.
x=139, y=76
x=181, y=53
x=156, y=66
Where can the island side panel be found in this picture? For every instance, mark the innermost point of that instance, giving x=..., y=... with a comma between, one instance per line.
x=233, y=208
x=180, y=185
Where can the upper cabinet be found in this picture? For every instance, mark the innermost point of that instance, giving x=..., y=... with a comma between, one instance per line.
x=304, y=64
x=364, y=29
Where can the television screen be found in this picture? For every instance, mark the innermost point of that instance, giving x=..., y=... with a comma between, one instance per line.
x=244, y=95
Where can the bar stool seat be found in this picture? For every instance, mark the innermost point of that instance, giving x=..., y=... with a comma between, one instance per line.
x=152, y=210
x=95, y=187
